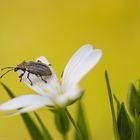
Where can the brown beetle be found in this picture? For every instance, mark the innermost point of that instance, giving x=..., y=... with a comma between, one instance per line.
x=37, y=68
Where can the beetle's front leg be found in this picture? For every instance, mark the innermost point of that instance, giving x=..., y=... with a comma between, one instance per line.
x=43, y=79
x=28, y=76
x=21, y=76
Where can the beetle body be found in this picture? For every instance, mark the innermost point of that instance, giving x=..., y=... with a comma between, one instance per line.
x=37, y=68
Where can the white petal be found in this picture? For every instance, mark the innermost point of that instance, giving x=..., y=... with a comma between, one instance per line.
x=74, y=60
x=39, y=85
x=69, y=96
x=73, y=93
x=29, y=108
x=80, y=64
x=24, y=110
x=24, y=101
x=45, y=61
x=61, y=100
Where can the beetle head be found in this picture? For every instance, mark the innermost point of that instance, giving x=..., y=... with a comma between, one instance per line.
x=21, y=66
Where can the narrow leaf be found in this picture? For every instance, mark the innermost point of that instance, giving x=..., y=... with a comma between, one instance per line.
x=81, y=123
x=124, y=124
x=33, y=130
x=133, y=100
x=116, y=133
x=46, y=132
x=11, y=95
x=118, y=104
x=136, y=128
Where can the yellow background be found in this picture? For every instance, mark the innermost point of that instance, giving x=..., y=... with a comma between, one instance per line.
x=56, y=29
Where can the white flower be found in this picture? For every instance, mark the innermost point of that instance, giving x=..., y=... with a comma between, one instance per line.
x=54, y=93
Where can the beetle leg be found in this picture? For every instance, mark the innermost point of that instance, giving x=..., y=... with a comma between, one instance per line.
x=21, y=76
x=28, y=76
x=39, y=61
x=43, y=79
x=49, y=64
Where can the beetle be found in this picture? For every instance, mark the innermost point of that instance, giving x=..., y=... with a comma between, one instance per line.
x=37, y=68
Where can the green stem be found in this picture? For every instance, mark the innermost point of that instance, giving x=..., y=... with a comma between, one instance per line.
x=65, y=136
x=74, y=125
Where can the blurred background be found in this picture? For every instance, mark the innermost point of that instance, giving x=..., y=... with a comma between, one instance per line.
x=56, y=29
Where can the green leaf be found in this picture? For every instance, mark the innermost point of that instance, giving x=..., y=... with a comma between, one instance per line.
x=118, y=104
x=61, y=121
x=11, y=95
x=115, y=128
x=124, y=124
x=133, y=100
x=137, y=84
x=33, y=130
x=81, y=123
x=46, y=132
x=136, y=128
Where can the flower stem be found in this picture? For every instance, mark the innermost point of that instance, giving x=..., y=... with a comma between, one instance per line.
x=74, y=124
x=64, y=136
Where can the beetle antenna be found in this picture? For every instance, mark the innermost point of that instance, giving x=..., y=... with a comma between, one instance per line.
x=6, y=73
x=7, y=68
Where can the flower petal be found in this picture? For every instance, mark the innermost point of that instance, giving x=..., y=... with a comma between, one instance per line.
x=80, y=64
x=73, y=93
x=25, y=101
x=69, y=96
x=61, y=100
x=24, y=110
x=45, y=61
x=75, y=60
x=38, y=84
x=28, y=109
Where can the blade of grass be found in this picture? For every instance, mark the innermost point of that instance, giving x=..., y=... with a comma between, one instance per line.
x=33, y=130
x=81, y=123
x=11, y=95
x=46, y=132
x=74, y=125
x=118, y=104
x=116, y=133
